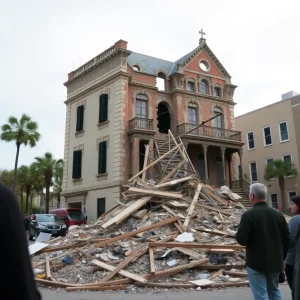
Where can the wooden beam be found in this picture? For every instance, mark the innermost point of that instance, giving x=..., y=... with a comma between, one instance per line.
x=218, y=267
x=97, y=288
x=238, y=274
x=48, y=270
x=189, y=252
x=151, y=256
x=145, y=161
x=213, y=208
x=121, y=272
x=112, y=282
x=214, y=232
x=53, y=283
x=181, y=268
x=134, y=233
x=154, y=163
x=194, y=245
x=215, y=197
x=215, y=274
x=180, y=229
x=181, y=164
x=192, y=206
x=155, y=193
x=173, y=182
x=166, y=285
x=134, y=255
x=222, y=251
x=81, y=244
x=125, y=213
x=140, y=214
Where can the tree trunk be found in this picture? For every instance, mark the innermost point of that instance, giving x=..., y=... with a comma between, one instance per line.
x=16, y=168
x=47, y=198
x=27, y=200
x=282, y=191
x=30, y=203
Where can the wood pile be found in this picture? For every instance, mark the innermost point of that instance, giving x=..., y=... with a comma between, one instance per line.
x=176, y=232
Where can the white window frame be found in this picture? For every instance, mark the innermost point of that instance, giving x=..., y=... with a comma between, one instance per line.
x=270, y=198
x=266, y=160
x=250, y=173
x=265, y=136
x=288, y=195
x=248, y=140
x=287, y=129
x=286, y=154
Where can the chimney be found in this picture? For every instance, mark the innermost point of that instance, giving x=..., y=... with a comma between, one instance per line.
x=289, y=95
x=121, y=44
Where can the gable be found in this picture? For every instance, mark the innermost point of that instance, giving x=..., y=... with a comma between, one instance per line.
x=193, y=65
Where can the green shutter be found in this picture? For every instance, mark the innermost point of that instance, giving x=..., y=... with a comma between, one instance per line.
x=103, y=108
x=100, y=207
x=80, y=115
x=77, y=161
x=102, y=158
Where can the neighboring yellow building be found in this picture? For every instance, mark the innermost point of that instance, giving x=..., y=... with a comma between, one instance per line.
x=271, y=132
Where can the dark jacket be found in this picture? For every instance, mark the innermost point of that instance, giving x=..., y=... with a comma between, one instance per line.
x=17, y=281
x=265, y=233
x=296, y=278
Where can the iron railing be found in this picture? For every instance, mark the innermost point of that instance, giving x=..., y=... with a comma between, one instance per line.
x=141, y=123
x=209, y=131
x=241, y=184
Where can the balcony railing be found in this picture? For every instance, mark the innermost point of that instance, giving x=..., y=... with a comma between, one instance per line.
x=141, y=123
x=209, y=131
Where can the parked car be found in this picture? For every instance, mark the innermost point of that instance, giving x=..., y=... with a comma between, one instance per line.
x=48, y=223
x=70, y=216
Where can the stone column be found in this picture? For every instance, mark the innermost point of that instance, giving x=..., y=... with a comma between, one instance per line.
x=240, y=151
x=135, y=156
x=223, y=149
x=205, y=163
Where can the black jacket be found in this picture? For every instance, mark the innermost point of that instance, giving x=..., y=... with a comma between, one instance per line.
x=265, y=233
x=17, y=281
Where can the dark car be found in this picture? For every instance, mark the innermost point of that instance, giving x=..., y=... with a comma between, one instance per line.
x=46, y=223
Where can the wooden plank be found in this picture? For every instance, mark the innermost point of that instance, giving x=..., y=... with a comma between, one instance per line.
x=155, y=193
x=145, y=161
x=127, y=212
x=189, y=252
x=180, y=229
x=48, y=270
x=166, y=285
x=238, y=274
x=215, y=274
x=53, y=283
x=173, y=182
x=181, y=268
x=192, y=206
x=214, y=232
x=151, y=257
x=134, y=233
x=213, y=208
x=81, y=244
x=181, y=164
x=140, y=214
x=222, y=251
x=97, y=288
x=215, y=197
x=134, y=255
x=194, y=245
x=218, y=267
x=154, y=163
x=111, y=282
x=121, y=272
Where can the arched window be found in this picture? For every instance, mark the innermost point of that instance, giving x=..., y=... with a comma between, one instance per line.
x=192, y=114
x=204, y=87
x=141, y=105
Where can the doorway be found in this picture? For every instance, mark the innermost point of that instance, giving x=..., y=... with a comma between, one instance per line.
x=142, y=151
x=74, y=205
x=163, y=118
x=219, y=171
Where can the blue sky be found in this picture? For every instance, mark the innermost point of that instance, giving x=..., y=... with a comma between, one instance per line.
x=42, y=41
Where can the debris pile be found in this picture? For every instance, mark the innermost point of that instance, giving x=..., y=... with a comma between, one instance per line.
x=170, y=232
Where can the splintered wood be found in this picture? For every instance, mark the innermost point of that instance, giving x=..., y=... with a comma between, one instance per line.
x=167, y=222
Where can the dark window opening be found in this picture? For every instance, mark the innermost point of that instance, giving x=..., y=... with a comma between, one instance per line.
x=100, y=207
x=102, y=157
x=253, y=172
x=77, y=162
x=192, y=115
x=136, y=68
x=141, y=109
x=217, y=92
x=240, y=171
x=191, y=86
x=163, y=118
x=80, y=116
x=142, y=151
x=201, y=164
x=251, y=144
x=274, y=201
x=204, y=87
x=268, y=137
x=103, y=108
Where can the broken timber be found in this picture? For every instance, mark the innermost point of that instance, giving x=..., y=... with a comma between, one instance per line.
x=194, y=245
x=155, y=193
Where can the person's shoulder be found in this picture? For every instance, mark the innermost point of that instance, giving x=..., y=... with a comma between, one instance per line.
x=6, y=195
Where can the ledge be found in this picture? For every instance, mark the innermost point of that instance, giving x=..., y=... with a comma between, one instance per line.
x=102, y=176
x=103, y=124
x=79, y=133
x=77, y=181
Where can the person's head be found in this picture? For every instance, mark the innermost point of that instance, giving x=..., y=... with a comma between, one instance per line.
x=295, y=205
x=257, y=193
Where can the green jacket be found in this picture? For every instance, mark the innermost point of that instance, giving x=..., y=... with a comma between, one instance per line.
x=265, y=233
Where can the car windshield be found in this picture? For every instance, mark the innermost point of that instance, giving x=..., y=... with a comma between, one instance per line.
x=76, y=215
x=47, y=218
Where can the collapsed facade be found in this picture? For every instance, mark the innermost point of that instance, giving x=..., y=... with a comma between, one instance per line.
x=120, y=101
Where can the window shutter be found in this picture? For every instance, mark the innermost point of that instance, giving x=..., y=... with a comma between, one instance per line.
x=80, y=115
x=103, y=108
x=102, y=158
x=77, y=161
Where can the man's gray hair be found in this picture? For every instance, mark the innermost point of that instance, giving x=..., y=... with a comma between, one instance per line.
x=259, y=191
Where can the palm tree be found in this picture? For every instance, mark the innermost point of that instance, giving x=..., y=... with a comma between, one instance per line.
x=23, y=131
x=49, y=168
x=6, y=177
x=58, y=183
x=280, y=169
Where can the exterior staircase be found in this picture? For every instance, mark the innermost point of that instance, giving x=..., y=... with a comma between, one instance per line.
x=243, y=192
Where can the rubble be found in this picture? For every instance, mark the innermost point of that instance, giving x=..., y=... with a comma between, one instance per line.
x=169, y=232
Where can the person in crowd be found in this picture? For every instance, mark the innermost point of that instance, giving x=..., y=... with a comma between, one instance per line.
x=294, y=225
x=265, y=233
x=17, y=280
x=296, y=275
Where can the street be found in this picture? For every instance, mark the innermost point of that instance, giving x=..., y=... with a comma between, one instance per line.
x=228, y=294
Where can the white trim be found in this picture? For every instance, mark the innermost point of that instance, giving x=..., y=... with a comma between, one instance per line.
x=265, y=136
x=287, y=128
x=248, y=140
x=250, y=173
x=296, y=105
x=288, y=196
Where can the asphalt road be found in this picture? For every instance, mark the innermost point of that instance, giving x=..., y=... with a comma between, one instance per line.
x=227, y=294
